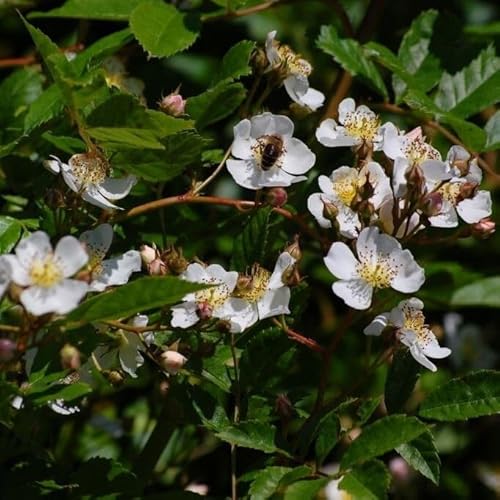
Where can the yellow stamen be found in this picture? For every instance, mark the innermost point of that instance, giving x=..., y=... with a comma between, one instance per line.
x=257, y=286
x=362, y=125
x=379, y=274
x=46, y=273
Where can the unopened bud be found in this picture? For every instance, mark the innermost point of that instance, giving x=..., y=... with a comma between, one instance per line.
x=70, y=357
x=276, y=197
x=172, y=361
x=174, y=260
x=7, y=350
x=432, y=204
x=114, y=377
x=415, y=178
x=483, y=229
x=259, y=60
x=173, y=104
x=157, y=268
x=148, y=254
x=399, y=469
x=204, y=310
x=294, y=248
x=330, y=211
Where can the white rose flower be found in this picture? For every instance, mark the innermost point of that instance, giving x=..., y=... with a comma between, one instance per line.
x=265, y=154
x=44, y=273
x=87, y=175
x=409, y=320
x=341, y=190
x=409, y=150
x=296, y=72
x=266, y=295
x=457, y=197
x=109, y=272
x=212, y=302
x=357, y=125
x=380, y=263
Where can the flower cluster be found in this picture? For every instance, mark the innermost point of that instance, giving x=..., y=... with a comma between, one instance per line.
x=238, y=300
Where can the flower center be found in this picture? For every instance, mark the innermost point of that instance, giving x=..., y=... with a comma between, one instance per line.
x=346, y=189
x=257, y=286
x=450, y=192
x=89, y=168
x=378, y=274
x=46, y=272
x=362, y=125
x=212, y=297
x=292, y=62
x=417, y=151
x=414, y=320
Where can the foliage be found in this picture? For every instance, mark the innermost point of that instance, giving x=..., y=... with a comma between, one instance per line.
x=207, y=346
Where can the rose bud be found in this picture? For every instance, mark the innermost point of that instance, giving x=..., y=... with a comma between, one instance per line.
x=483, y=229
x=70, y=357
x=172, y=361
x=7, y=350
x=173, y=104
x=276, y=197
x=432, y=204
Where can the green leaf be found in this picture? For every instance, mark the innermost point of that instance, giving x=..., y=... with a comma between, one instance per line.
x=45, y=108
x=492, y=130
x=266, y=481
x=482, y=293
x=119, y=138
x=70, y=145
x=19, y=90
x=56, y=62
x=422, y=455
x=401, y=379
x=235, y=62
x=305, y=489
x=368, y=481
x=216, y=103
x=350, y=55
x=108, y=10
x=162, y=30
x=328, y=433
x=10, y=232
x=474, y=395
x=382, y=436
x=415, y=56
x=58, y=391
x=138, y=296
x=487, y=30
x=104, y=47
x=251, y=245
x=250, y=434
x=472, y=89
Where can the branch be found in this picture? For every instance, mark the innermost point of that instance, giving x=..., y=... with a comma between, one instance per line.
x=297, y=337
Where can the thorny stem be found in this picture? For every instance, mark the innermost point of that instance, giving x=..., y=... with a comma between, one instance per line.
x=242, y=205
x=299, y=338
x=236, y=417
x=136, y=329
x=10, y=329
x=32, y=58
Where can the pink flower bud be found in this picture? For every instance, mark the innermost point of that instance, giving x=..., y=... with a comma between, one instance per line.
x=70, y=357
x=294, y=248
x=399, y=469
x=157, y=268
x=483, y=229
x=148, y=254
x=172, y=361
x=173, y=104
x=276, y=197
x=7, y=350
